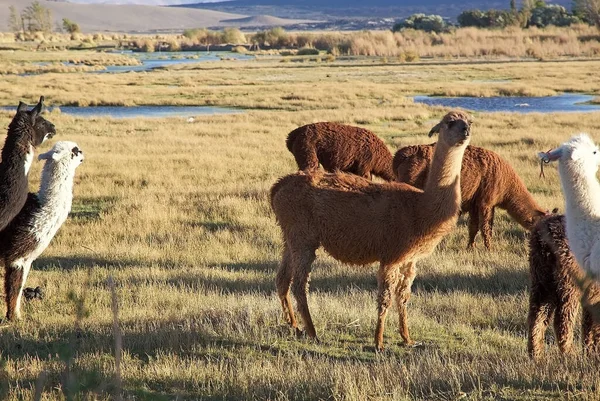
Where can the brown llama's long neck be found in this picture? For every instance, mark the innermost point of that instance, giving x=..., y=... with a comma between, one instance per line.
x=442, y=197
x=385, y=167
x=520, y=205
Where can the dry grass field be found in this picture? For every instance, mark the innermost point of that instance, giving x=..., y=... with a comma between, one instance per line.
x=177, y=214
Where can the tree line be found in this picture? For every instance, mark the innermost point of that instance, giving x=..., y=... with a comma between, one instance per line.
x=533, y=13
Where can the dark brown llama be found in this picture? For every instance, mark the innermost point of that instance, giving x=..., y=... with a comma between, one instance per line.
x=340, y=147
x=360, y=222
x=555, y=290
x=27, y=130
x=486, y=181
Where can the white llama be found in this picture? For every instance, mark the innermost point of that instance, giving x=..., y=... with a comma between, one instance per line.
x=28, y=235
x=578, y=161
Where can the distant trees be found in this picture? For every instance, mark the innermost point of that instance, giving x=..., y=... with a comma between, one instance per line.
x=422, y=22
x=70, y=26
x=588, y=10
x=487, y=19
x=33, y=18
x=532, y=13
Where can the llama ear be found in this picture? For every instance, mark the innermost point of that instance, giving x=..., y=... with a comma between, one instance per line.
x=52, y=155
x=435, y=129
x=22, y=107
x=551, y=155
x=38, y=108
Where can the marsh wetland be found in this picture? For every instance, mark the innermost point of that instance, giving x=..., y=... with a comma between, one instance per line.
x=177, y=214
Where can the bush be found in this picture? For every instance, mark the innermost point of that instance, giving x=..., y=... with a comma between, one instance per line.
x=552, y=14
x=307, y=51
x=487, y=19
x=422, y=22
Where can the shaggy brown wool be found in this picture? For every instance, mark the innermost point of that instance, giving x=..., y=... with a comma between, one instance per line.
x=361, y=222
x=340, y=147
x=486, y=181
x=555, y=291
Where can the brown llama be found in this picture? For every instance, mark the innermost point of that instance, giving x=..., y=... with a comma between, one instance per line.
x=360, y=222
x=340, y=147
x=555, y=291
x=486, y=181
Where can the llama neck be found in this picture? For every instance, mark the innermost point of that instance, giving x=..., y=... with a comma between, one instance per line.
x=56, y=188
x=442, y=188
x=520, y=205
x=581, y=191
x=17, y=148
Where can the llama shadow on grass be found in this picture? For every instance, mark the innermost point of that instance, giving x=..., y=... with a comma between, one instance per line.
x=70, y=263
x=501, y=282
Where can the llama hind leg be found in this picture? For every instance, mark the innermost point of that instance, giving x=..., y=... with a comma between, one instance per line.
x=590, y=326
x=302, y=262
x=14, y=281
x=473, y=224
x=403, y=292
x=486, y=222
x=564, y=319
x=540, y=313
x=387, y=280
x=283, y=283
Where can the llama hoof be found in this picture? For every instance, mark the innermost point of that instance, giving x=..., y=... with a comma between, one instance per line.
x=33, y=293
x=413, y=344
x=300, y=333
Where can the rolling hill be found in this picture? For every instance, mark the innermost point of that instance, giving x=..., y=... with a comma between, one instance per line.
x=136, y=18
x=315, y=9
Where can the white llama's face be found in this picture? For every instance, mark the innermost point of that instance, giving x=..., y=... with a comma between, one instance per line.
x=581, y=153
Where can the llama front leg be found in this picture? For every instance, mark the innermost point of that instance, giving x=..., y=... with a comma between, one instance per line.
x=403, y=292
x=387, y=280
x=283, y=283
x=302, y=262
x=14, y=281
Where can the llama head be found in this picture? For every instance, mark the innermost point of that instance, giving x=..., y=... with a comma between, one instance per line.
x=578, y=154
x=31, y=122
x=65, y=154
x=454, y=129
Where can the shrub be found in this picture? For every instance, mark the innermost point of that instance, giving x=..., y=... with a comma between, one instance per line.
x=307, y=51
x=422, y=22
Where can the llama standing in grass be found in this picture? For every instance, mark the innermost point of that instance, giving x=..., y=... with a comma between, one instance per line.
x=27, y=130
x=555, y=290
x=486, y=181
x=340, y=147
x=28, y=235
x=578, y=161
x=360, y=222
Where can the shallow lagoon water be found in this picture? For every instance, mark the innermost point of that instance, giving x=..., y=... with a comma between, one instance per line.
x=159, y=59
x=142, y=111
x=565, y=103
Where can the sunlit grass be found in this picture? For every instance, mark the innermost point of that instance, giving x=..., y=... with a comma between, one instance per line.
x=178, y=214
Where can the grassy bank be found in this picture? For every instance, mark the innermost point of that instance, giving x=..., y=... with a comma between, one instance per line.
x=177, y=214
x=408, y=45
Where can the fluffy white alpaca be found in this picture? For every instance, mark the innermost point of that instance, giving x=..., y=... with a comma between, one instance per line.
x=28, y=235
x=578, y=161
